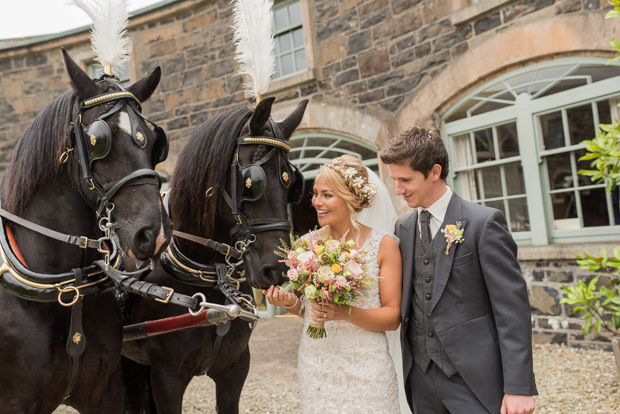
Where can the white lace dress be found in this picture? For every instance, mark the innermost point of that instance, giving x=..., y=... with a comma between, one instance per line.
x=350, y=370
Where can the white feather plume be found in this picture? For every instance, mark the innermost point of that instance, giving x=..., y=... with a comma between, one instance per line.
x=108, y=32
x=253, y=27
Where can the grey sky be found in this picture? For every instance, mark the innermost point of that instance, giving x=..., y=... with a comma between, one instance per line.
x=24, y=18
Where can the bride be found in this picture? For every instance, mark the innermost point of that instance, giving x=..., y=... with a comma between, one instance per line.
x=350, y=370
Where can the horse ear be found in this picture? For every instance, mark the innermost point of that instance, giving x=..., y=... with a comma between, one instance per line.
x=261, y=116
x=293, y=120
x=144, y=88
x=83, y=86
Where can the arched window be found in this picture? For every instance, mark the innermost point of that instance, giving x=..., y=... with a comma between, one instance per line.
x=514, y=145
x=311, y=149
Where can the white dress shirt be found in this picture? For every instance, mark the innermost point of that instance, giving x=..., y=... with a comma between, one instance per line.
x=438, y=212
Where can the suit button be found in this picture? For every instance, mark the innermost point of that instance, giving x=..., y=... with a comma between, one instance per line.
x=430, y=334
x=426, y=261
x=428, y=315
x=427, y=280
x=428, y=297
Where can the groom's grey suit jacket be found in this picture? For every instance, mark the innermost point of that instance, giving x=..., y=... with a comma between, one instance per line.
x=480, y=308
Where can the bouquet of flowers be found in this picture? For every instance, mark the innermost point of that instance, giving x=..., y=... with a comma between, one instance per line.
x=325, y=271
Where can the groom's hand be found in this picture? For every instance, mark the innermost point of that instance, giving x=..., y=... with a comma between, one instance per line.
x=517, y=404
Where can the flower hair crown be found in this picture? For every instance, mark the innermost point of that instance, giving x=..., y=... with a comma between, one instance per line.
x=359, y=183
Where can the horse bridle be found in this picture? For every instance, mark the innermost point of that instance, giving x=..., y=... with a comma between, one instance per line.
x=93, y=142
x=248, y=183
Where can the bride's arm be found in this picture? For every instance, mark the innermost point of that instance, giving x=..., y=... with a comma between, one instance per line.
x=385, y=318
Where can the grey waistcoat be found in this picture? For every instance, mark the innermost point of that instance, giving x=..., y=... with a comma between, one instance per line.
x=421, y=334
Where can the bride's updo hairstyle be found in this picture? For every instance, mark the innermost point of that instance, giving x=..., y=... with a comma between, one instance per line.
x=348, y=178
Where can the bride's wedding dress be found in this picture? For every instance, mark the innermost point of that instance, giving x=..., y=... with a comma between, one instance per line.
x=350, y=370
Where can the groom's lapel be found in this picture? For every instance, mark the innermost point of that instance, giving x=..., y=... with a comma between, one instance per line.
x=409, y=228
x=443, y=262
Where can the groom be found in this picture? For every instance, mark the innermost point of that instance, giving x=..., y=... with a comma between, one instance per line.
x=466, y=332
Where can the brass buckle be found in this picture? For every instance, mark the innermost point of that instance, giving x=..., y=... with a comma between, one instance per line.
x=168, y=296
x=85, y=246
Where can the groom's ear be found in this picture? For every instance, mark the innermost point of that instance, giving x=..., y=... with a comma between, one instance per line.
x=435, y=172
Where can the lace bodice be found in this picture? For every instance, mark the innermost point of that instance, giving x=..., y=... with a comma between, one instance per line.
x=350, y=370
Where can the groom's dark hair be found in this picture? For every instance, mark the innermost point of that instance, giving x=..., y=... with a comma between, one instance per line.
x=418, y=148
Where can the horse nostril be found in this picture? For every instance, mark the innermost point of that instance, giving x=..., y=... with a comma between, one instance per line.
x=144, y=241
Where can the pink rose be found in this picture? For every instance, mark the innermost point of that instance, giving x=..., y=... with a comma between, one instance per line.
x=355, y=269
x=291, y=255
x=306, y=257
x=292, y=274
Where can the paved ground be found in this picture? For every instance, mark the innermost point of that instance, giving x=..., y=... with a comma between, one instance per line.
x=575, y=381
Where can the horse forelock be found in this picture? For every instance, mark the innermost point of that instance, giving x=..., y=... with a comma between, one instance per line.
x=35, y=159
x=204, y=163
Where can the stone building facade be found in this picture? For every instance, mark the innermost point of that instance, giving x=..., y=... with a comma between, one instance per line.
x=372, y=68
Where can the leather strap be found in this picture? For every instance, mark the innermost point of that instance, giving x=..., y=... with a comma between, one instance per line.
x=212, y=244
x=80, y=241
x=221, y=331
x=76, y=342
x=148, y=290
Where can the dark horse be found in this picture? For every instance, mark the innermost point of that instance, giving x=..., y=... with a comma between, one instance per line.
x=200, y=201
x=45, y=184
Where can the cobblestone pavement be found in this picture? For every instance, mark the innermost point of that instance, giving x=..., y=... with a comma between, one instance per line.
x=569, y=380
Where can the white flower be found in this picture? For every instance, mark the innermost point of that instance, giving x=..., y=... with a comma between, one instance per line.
x=310, y=291
x=325, y=274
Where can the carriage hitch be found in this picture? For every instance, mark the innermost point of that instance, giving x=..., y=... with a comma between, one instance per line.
x=216, y=314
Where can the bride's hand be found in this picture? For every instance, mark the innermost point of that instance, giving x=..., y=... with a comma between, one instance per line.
x=279, y=297
x=329, y=312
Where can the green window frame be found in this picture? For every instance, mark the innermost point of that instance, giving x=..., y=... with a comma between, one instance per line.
x=534, y=99
x=309, y=150
x=288, y=32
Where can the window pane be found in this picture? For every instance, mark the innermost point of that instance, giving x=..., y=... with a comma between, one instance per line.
x=519, y=218
x=564, y=86
x=281, y=19
x=287, y=64
x=294, y=11
x=514, y=178
x=485, y=151
x=507, y=140
x=559, y=171
x=462, y=111
x=553, y=73
x=492, y=182
x=594, y=207
x=604, y=112
x=496, y=204
x=300, y=59
x=298, y=36
x=489, y=106
x=583, y=165
x=580, y=123
x=564, y=208
x=552, y=130
x=597, y=73
x=285, y=42
x=461, y=155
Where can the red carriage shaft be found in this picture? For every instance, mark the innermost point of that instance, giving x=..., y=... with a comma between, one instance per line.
x=175, y=323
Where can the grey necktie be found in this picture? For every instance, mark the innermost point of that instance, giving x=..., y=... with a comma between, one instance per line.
x=425, y=229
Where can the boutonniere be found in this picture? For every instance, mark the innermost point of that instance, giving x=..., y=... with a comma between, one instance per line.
x=453, y=234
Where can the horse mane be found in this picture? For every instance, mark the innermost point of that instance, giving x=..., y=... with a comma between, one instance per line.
x=35, y=159
x=204, y=164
